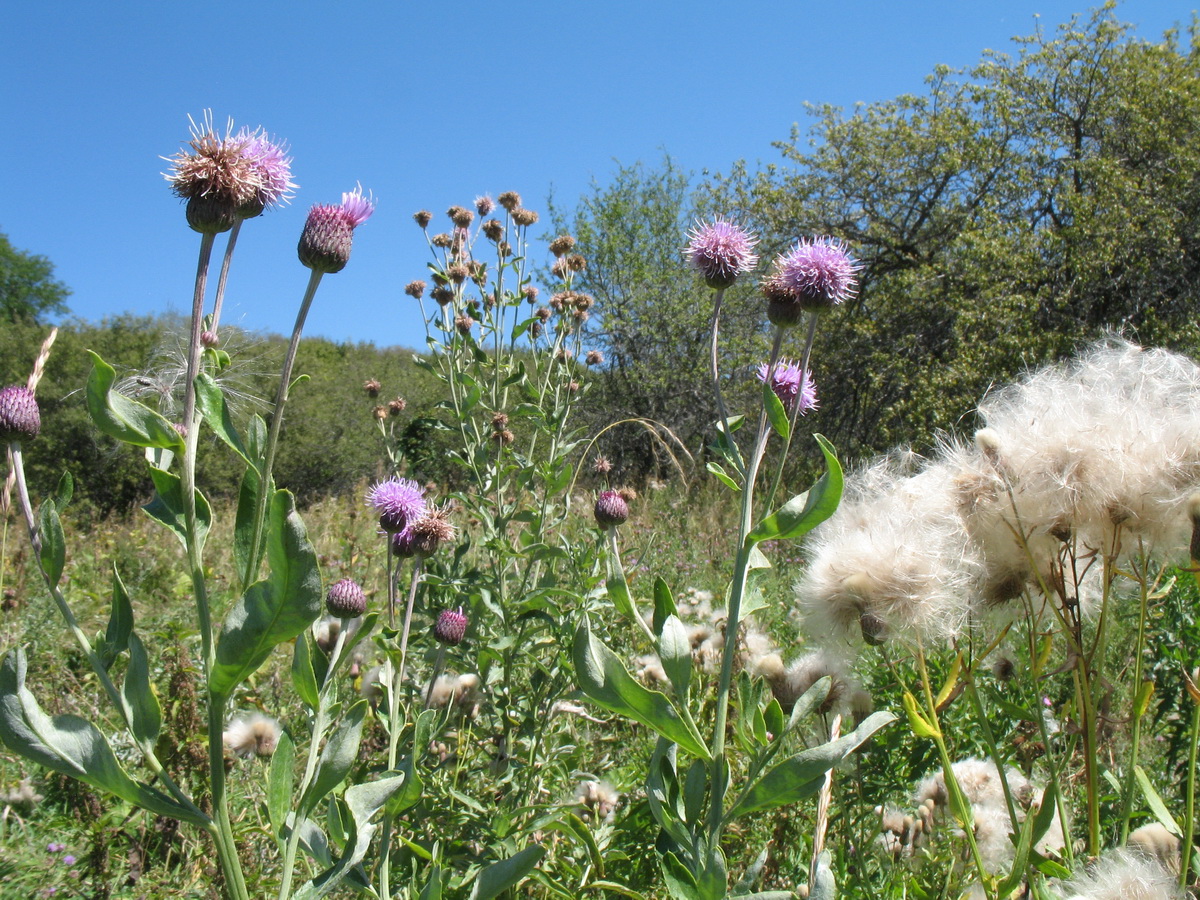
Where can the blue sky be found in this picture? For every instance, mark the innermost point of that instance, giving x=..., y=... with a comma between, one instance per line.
x=427, y=105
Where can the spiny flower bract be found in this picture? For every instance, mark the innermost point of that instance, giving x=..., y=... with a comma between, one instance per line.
x=329, y=231
x=19, y=415
x=720, y=251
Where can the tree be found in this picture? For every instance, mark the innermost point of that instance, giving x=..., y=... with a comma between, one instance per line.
x=1005, y=216
x=653, y=315
x=28, y=290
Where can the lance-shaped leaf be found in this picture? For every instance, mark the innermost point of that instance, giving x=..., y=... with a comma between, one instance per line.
x=274, y=610
x=604, y=678
x=142, y=711
x=120, y=624
x=72, y=746
x=337, y=757
x=363, y=801
x=805, y=512
x=210, y=400
x=675, y=652
x=54, y=544
x=497, y=878
x=279, y=783
x=124, y=419
x=802, y=775
x=167, y=506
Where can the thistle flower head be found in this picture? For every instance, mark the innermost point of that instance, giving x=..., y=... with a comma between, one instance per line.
x=451, y=626
x=273, y=168
x=399, y=503
x=329, y=230
x=346, y=599
x=19, y=416
x=817, y=273
x=484, y=205
x=794, y=388
x=611, y=509
x=598, y=799
x=430, y=531
x=215, y=175
x=252, y=735
x=720, y=251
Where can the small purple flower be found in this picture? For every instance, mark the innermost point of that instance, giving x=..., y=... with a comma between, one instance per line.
x=451, y=626
x=55, y=847
x=720, y=251
x=793, y=388
x=399, y=502
x=484, y=205
x=68, y=860
x=19, y=416
x=818, y=273
x=329, y=231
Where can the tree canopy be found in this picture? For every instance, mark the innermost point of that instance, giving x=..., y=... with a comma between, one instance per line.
x=28, y=289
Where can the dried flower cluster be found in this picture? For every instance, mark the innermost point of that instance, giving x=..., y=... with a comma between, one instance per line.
x=1085, y=461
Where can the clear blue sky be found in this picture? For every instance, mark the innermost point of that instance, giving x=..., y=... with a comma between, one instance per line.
x=426, y=104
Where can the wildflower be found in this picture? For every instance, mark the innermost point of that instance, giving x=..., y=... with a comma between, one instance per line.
x=720, y=251
x=594, y=358
x=817, y=273
x=346, y=599
x=562, y=245
x=793, y=387
x=415, y=289
x=398, y=501
x=530, y=292
x=19, y=415
x=611, y=509
x=329, y=230
x=451, y=626
x=484, y=205
x=252, y=735
x=215, y=177
x=372, y=387
x=397, y=406
x=493, y=230
x=524, y=217
x=430, y=531
x=68, y=860
x=602, y=465
x=55, y=847
x=272, y=166
x=460, y=216
x=510, y=200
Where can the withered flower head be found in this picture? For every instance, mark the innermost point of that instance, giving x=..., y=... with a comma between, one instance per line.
x=460, y=216
x=499, y=420
x=423, y=217
x=415, y=289
x=493, y=230
x=442, y=294
x=576, y=262
x=562, y=245
x=602, y=465
x=458, y=272
x=372, y=387
x=594, y=358
x=530, y=292
x=442, y=240
x=559, y=269
x=510, y=200
x=524, y=217
x=397, y=406
x=463, y=324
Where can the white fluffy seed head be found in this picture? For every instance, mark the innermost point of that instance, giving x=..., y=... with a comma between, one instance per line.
x=253, y=734
x=1121, y=875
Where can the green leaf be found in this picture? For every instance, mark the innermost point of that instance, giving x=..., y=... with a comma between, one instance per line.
x=717, y=470
x=243, y=526
x=274, y=610
x=72, y=746
x=662, y=793
x=433, y=887
x=126, y=420
x=495, y=879
x=805, y=512
x=681, y=883
x=167, y=506
x=54, y=544
x=604, y=678
x=142, y=711
x=921, y=726
x=120, y=623
x=363, y=801
x=279, y=783
x=303, y=678
x=801, y=775
x=64, y=492
x=1155, y=802
x=675, y=653
x=410, y=794
x=664, y=603
x=210, y=401
x=337, y=756
x=618, y=587
x=694, y=786
x=775, y=412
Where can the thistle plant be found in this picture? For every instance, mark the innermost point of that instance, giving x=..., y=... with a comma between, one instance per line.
x=695, y=804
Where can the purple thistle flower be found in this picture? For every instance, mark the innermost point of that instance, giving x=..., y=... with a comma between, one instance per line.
x=272, y=165
x=19, y=416
x=787, y=384
x=484, y=205
x=329, y=230
x=611, y=509
x=346, y=599
x=720, y=251
x=451, y=626
x=399, y=502
x=817, y=273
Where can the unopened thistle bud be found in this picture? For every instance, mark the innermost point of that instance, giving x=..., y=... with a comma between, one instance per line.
x=209, y=340
x=611, y=509
x=415, y=289
x=524, y=217
x=423, y=217
x=451, y=627
x=783, y=310
x=329, y=231
x=20, y=419
x=345, y=599
x=562, y=245
x=510, y=200
x=210, y=215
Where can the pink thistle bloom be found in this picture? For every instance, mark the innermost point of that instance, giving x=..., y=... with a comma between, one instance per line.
x=793, y=388
x=329, y=231
x=399, y=503
x=818, y=272
x=720, y=251
x=272, y=165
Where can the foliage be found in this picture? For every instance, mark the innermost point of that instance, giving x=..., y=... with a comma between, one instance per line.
x=28, y=289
